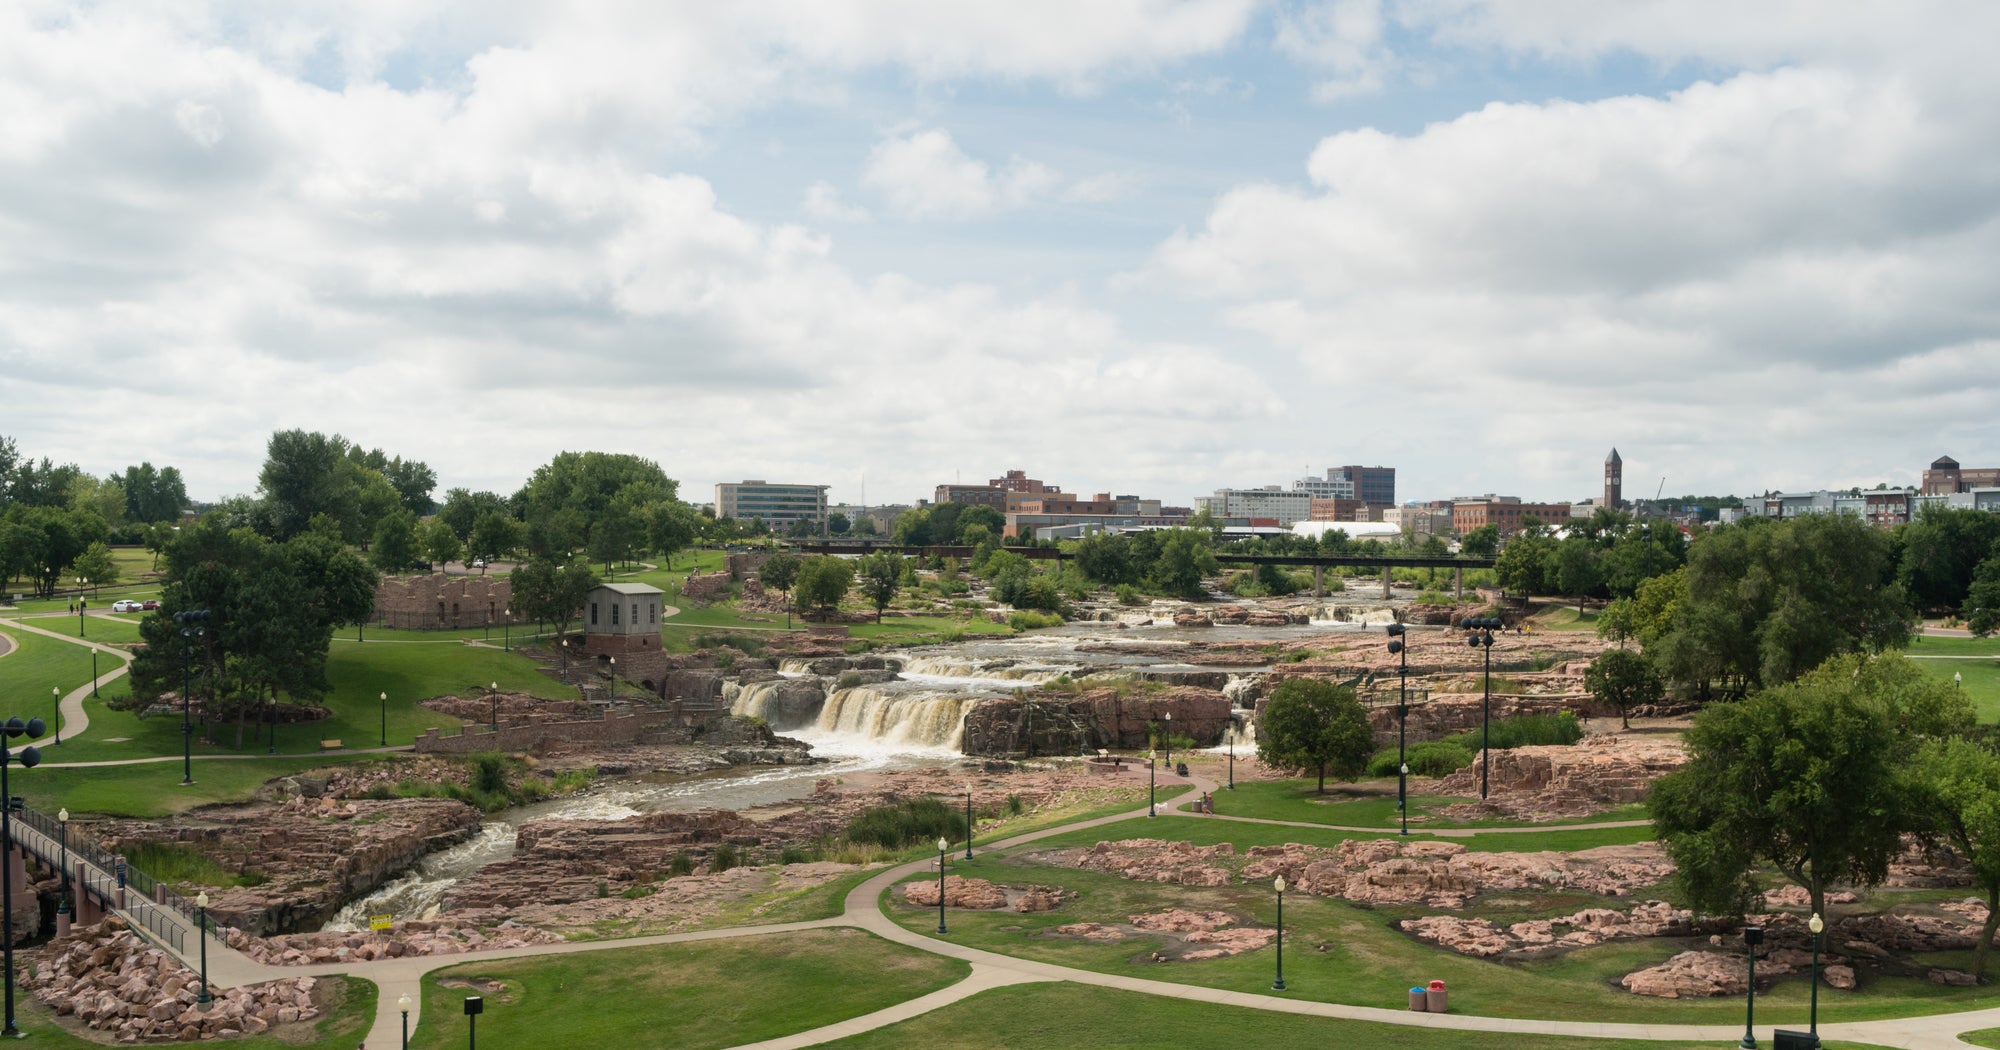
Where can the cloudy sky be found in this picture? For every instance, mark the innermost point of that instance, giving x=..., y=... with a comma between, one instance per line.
x=1144, y=246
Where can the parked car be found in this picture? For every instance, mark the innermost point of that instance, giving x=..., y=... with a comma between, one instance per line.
x=150, y=604
x=126, y=605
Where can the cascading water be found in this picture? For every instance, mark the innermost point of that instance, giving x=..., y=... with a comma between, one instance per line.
x=927, y=718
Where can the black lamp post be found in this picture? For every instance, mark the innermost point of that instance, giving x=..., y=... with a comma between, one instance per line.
x=507, y=630
x=384, y=697
x=55, y=699
x=93, y=676
x=62, y=823
x=192, y=628
x=1752, y=937
x=1169, y=738
x=403, y=1004
x=29, y=757
x=1817, y=926
x=201, y=918
x=564, y=646
x=1481, y=630
x=942, y=847
x=1151, y=781
x=1232, y=752
x=82, y=603
x=1402, y=652
x=474, y=1005
x=493, y=694
x=1279, y=984
x=968, y=822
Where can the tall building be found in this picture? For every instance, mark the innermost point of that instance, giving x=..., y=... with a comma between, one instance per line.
x=974, y=495
x=1375, y=486
x=1614, y=480
x=777, y=505
x=1946, y=477
x=1267, y=502
x=1019, y=481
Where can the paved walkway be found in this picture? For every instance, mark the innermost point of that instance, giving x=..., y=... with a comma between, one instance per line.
x=75, y=720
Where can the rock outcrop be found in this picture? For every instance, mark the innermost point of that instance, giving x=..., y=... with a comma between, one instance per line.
x=1484, y=939
x=108, y=978
x=1585, y=777
x=1065, y=724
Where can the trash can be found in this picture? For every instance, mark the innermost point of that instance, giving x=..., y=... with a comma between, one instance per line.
x=1788, y=1039
x=1434, y=997
x=1419, y=1001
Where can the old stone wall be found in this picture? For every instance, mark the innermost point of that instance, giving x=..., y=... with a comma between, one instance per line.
x=611, y=729
x=438, y=601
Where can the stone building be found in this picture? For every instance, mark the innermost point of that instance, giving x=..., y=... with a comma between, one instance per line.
x=439, y=602
x=621, y=631
x=1614, y=480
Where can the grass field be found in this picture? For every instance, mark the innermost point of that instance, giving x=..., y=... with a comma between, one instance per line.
x=153, y=789
x=1979, y=678
x=689, y=996
x=1064, y=1016
x=1341, y=953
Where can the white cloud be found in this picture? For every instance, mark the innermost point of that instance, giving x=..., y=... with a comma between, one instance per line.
x=823, y=201
x=925, y=175
x=1343, y=37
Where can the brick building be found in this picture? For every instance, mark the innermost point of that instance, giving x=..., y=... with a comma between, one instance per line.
x=1945, y=477
x=1507, y=512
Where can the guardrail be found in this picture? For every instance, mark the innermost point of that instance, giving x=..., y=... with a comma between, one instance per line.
x=152, y=905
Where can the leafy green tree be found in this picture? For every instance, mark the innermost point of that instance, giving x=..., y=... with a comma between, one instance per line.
x=20, y=547
x=156, y=538
x=302, y=477
x=550, y=591
x=463, y=508
x=1765, y=603
x=96, y=565
x=41, y=484
x=580, y=486
x=1983, y=600
x=1186, y=558
x=823, y=581
x=1942, y=550
x=440, y=545
x=494, y=536
x=881, y=577
x=974, y=515
x=62, y=537
x=104, y=498
x=836, y=524
x=1576, y=569
x=670, y=528
x=1107, y=559
x=781, y=571
x=154, y=495
x=801, y=528
x=1481, y=542
x=395, y=547
x=863, y=526
x=1959, y=788
x=1525, y=564
x=1625, y=680
x=1807, y=776
x=1310, y=724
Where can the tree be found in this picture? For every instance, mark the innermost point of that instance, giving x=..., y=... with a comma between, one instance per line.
x=156, y=538
x=1107, y=559
x=439, y=544
x=1807, y=776
x=863, y=526
x=781, y=571
x=395, y=547
x=670, y=528
x=1315, y=725
x=105, y=498
x=463, y=508
x=1576, y=569
x=1765, y=603
x=1625, y=680
x=301, y=477
x=836, y=524
x=580, y=486
x=550, y=591
x=154, y=495
x=1941, y=551
x=1983, y=600
x=1186, y=557
x=1481, y=542
x=1959, y=787
x=1524, y=565
x=95, y=564
x=494, y=536
x=881, y=578
x=823, y=581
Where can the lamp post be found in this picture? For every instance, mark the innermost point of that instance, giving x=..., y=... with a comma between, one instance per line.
x=384, y=697
x=968, y=822
x=82, y=605
x=1402, y=652
x=201, y=918
x=507, y=630
x=1279, y=984
x=1169, y=735
x=1151, y=780
x=1957, y=680
x=1752, y=937
x=942, y=846
x=403, y=1004
x=1232, y=752
x=93, y=677
x=55, y=699
x=493, y=694
x=29, y=757
x=1480, y=636
x=1817, y=926
x=62, y=824
x=474, y=1005
x=563, y=644
x=192, y=628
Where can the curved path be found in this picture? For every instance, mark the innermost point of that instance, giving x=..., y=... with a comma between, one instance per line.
x=75, y=720
x=862, y=909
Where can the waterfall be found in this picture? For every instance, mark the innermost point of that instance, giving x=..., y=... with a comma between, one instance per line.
x=753, y=700
x=929, y=665
x=925, y=718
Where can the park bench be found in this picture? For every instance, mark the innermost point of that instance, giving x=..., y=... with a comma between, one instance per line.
x=330, y=745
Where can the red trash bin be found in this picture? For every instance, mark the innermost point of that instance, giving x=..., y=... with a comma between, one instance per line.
x=1434, y=997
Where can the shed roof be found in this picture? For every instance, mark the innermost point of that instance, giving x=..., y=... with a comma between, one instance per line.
x=628, y=588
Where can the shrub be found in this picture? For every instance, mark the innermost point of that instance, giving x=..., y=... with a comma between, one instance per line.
x=682, y=864
x=1129, y=595
x=489, y=772
x=903, y=824
x=723, y=859
x=1429, y=758
x=794, y=855
x=1525, y=731
x=1028, y=621
x=1015, y=805
x=848, y=680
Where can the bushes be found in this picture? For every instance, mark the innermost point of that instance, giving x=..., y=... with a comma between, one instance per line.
x=1129, y=595
x=723, y=859
x=903, y=824
x=1525, y=731
x=1028, y=621
x=1429, y=758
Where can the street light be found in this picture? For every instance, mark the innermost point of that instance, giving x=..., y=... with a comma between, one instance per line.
x=942, y=846
x=29, y=758
x=82, y=604
x=1279, y=984
x=93, y=677
x=385, y=718
x=968, y=822
x=1817, y=926
x=474, y=1005
x=1151, y=780
x=55, y=699
x=1169, y=734
x=493, y=694
x=1232, y=751
x=403, y=1004
x=192, y=628
x=1480, y=635
x=201, y=917
x=1752, y=937
x=1402, y=652
x=62, y=822
x=1957, y=680
x=507, y=631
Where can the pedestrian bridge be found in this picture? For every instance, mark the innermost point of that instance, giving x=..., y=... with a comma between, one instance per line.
x=99, y=882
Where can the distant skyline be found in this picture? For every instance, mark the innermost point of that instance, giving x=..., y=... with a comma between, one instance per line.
x=1139, y=246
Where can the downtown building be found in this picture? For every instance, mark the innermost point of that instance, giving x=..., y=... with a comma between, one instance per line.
x=777, y=505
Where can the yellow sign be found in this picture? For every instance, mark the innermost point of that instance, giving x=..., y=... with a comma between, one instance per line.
x=380, y=922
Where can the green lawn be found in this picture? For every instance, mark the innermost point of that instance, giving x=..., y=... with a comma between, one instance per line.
x=1341, y=953
x=1942, y=645
x=687, y=996
x=1979, y=678
x=341, y=1028
x=41, y=664
x=1298, y=800
x=153, y=789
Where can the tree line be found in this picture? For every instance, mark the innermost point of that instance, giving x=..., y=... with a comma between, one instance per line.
x=56, y=521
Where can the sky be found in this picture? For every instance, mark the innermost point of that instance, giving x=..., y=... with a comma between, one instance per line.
x=1149, y=247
